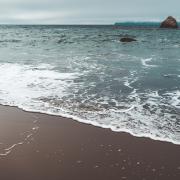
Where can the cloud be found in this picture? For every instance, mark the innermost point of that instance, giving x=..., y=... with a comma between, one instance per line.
x=84, y=11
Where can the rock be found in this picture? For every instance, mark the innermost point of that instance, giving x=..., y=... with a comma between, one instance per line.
x=127, y=39
x=170, y=22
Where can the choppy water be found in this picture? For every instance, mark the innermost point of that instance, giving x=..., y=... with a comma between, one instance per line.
x=86, y=73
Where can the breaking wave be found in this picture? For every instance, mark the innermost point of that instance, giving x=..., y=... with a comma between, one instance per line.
x=43, y=89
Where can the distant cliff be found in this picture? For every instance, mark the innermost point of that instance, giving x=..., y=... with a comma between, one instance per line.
x=138, y=24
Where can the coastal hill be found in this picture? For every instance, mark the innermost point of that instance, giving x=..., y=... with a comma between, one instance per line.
x=169, y=22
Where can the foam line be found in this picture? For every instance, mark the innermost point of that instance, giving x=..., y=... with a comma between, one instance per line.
x=145, y=62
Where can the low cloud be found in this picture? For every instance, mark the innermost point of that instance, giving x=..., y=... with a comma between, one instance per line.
x=84, y=11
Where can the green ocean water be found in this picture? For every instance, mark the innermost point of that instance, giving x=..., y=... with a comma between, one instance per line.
x=86, y=73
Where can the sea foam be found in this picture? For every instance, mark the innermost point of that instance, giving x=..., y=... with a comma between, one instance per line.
x=38, y=88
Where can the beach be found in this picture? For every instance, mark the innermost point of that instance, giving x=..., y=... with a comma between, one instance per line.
x=36, y=146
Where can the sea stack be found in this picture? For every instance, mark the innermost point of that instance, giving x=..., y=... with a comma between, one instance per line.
x=127, y=39
x=170, y=22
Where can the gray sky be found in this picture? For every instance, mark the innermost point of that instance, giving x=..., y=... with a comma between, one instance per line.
x=85, y=11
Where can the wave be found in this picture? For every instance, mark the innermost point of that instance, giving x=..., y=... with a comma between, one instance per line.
x=174, y=98
x=145, y=62
x=24, y=84
x=40, y=88
x=97, y=124
x=10, y=41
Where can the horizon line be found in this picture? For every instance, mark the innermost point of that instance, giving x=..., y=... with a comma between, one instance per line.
x=85, y=24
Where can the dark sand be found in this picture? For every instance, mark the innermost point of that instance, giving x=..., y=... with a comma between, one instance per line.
x=40, y=147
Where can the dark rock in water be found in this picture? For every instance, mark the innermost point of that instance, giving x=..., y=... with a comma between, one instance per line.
x=170, y=22
x=127, y=39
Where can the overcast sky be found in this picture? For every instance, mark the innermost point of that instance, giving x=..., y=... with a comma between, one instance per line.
x=85, y=11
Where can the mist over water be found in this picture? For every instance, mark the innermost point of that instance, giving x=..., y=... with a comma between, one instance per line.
x=86, y=73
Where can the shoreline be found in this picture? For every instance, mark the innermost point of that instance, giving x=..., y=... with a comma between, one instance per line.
x=95, y=124
x=39, y=146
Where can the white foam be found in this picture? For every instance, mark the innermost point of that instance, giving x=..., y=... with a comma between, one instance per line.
x=145, y=62
x=27, y=139
x=21, y=84
x=9, y=149
x=129, y=81
x=24, y=86
x=13, y=146
x=128, y=84
x=123, y=128
x=174, y=98
x=5, y=154
x=123, y=111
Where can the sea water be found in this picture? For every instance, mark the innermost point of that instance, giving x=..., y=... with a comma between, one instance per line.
x=87, y=74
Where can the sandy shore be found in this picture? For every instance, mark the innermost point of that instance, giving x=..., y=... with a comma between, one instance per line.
x=41, y=147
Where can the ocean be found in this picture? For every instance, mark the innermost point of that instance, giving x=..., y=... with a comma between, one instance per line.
x=87, y=74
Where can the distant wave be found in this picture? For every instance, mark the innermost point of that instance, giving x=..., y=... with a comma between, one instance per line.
x=146, y=64
x=10, y=41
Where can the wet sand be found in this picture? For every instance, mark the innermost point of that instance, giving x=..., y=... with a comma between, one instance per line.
x=35, y=146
